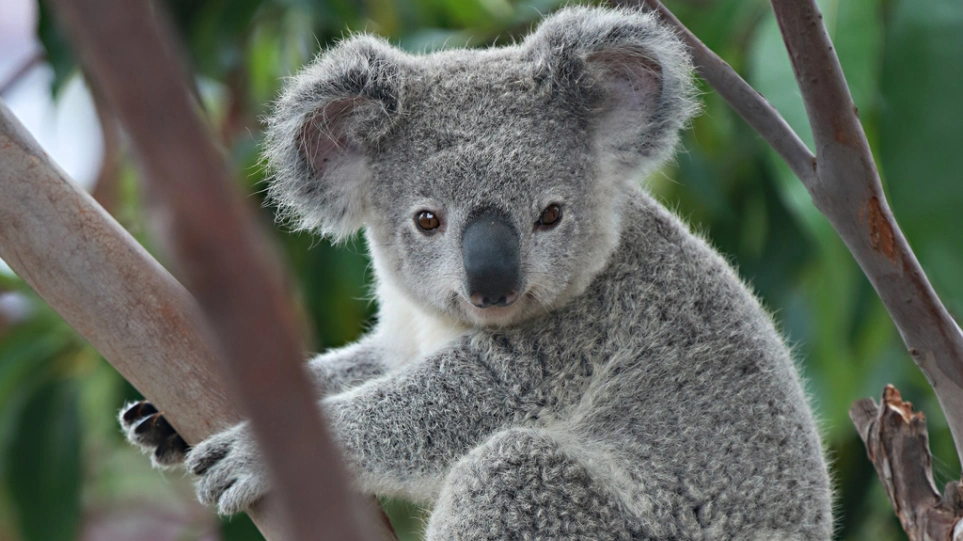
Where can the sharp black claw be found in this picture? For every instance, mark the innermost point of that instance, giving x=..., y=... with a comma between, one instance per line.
x=138, y=411
x=172, y=450
x=154, y=429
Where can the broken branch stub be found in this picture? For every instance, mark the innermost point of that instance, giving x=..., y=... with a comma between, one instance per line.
x=898, y=446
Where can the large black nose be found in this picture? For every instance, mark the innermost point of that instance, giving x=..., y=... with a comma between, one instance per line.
x=490, y=251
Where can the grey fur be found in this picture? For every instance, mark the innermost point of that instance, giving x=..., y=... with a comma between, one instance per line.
x=637, y=390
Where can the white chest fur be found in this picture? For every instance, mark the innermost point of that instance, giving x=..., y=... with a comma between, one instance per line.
x=412, y=332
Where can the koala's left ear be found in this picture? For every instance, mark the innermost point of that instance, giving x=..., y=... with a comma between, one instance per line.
x=627, y=72
x=324, y=126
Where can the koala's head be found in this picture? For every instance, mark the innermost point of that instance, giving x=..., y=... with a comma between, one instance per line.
x=490, y=182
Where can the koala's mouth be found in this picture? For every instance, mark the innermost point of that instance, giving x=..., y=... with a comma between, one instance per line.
x=480, y=300
x=499, y=314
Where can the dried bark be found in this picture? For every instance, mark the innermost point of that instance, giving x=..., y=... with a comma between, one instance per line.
x=898, y=445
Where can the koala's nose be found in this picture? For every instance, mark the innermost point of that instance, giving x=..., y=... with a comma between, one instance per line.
x=490, y=252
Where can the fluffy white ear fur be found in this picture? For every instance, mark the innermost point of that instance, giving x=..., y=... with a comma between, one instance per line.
x=337, y=163
x=634, y=71
x=320, y=129
x=632, y=87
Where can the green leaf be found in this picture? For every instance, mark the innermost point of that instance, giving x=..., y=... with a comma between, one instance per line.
x=59, y=54
x=239, y=528
x=921, y=135
x=44, y=476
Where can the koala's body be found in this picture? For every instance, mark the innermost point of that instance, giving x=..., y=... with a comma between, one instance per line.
x=556, y=356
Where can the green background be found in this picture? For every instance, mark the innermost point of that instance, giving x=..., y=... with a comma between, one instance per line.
x=65, y=472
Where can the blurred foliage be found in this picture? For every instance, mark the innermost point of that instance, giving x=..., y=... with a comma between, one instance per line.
x=63, y=462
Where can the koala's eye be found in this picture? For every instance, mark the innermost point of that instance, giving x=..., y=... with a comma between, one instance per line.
x=427, y=220
x=550, y=216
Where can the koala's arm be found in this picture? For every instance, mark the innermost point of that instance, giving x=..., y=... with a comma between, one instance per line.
x=400, y=433
x=340, y=369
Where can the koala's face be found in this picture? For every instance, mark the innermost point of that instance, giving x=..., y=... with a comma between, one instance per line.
x=486, y=203
x=490, y=182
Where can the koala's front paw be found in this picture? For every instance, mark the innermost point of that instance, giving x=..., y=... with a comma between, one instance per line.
x=230, y=470
x=147, y=428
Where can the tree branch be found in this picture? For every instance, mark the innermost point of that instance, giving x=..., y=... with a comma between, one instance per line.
x=848, y=191
x=107, y=287
x=744, y=99
x=133, y=62
x=898, y=445
x=844, y=184
x=112, y=292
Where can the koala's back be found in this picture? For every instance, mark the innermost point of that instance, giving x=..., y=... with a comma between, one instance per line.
x=676, y=386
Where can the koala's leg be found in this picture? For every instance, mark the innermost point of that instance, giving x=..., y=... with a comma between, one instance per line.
x=521, y=484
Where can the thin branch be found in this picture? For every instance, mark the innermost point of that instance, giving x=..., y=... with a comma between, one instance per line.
x=898, y=445
x=848, y=191
x=744, y=99
x=132, y=59
x=844, y=184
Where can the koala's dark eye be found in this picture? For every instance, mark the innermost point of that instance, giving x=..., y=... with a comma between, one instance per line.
x=427, y=220
x=550, y=216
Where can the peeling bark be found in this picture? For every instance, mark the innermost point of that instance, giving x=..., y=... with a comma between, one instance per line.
x=898, y=445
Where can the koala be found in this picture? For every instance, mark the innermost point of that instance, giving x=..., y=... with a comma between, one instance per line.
x=556, y=355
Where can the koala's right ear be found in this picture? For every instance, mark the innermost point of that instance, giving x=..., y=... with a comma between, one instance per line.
x=326, y=120
x=624, y=70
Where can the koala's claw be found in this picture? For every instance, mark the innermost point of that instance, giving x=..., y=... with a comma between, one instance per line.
x=148, y=429
x=228, y=464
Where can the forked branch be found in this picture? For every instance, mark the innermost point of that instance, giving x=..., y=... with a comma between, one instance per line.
x=844, y=184
x=848, y=191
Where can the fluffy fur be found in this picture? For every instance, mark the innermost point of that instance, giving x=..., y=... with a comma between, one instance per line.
x=636, y=390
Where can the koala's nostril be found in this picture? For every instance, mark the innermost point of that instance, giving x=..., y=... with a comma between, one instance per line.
x=479, y=300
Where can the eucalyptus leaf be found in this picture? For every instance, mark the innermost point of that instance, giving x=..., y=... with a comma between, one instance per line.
x=44, y=471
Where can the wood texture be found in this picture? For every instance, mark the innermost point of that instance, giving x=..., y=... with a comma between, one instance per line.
x=107, y=287
x=136, y=314
x=898, y=445
x=845, y=186
x=848, y=191
x=131, y=58
x=113, y=293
